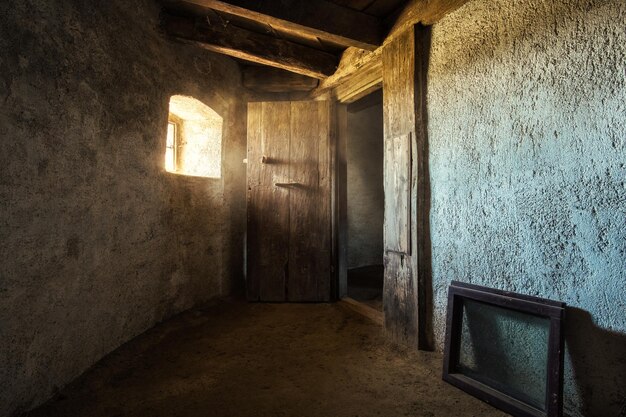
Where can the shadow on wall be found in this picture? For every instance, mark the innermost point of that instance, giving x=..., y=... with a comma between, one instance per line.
x=598, y=359
x=425, y=272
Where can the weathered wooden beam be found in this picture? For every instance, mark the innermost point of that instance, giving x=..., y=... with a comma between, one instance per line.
x=274, y=80
x=251, y=46
x=364, y=82
x=354, y=61
x=426, y=12
x=313, y=18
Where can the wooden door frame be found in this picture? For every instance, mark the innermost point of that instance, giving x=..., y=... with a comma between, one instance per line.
x=403, y=61
x=362, y=83
x=340, y=218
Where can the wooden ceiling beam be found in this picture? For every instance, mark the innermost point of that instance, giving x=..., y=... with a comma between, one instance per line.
x=426, y=12
x=250, y=46
x=309, y=18
x=274, y=80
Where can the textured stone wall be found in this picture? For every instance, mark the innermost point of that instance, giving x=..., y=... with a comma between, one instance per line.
x=98, y=242
x=527, y=133
x=366, y=197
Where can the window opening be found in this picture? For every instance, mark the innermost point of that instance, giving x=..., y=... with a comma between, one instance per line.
x=194, y=138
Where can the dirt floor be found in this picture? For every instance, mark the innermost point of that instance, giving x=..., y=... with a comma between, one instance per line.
x=265, y=360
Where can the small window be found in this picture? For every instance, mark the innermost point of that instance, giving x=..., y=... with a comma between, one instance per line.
x=194, y=139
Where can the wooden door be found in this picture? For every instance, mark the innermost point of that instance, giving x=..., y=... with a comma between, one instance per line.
x=289, y=201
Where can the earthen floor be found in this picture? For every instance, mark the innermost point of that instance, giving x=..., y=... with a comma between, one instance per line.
x=265, y=360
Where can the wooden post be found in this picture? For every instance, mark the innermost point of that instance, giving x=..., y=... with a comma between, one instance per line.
x=408, y=284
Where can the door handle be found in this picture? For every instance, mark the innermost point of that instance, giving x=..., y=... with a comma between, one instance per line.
x=286, y=184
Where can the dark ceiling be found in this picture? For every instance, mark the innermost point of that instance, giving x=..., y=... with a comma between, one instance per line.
x=379, y=12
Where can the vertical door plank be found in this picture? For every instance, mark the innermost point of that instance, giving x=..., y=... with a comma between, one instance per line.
x=326, y=119
x=340, y=171
x=325, y=134
x=268, y=210
x=274, y=243
x=309, y=249
x=253, y=196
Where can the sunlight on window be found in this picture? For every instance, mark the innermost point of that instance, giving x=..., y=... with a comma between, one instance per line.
x=170, y=151
x=194, y=139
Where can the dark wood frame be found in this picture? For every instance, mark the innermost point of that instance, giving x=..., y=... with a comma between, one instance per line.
x=553, y=310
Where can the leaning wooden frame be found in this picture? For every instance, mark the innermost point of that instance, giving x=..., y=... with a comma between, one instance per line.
x=532, y=306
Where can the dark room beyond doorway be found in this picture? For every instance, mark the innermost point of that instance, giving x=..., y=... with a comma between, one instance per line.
x=365, y=200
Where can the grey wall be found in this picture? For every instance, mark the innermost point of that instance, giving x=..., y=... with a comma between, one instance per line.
x=366, y=198
x=98, y=243
x=527, y=133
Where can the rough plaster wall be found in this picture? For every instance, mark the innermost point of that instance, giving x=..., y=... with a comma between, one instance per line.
x=98, y=243
x=527, y=132
x=365, y=187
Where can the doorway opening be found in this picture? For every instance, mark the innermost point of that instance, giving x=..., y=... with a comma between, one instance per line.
x=365, y=200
